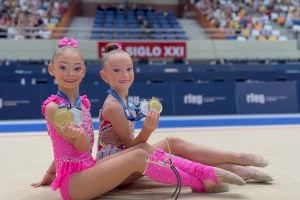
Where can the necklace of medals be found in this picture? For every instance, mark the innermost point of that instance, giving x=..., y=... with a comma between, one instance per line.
x=75, y=110
x=128, y=114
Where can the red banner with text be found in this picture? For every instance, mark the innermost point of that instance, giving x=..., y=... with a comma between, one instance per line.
x=151, y=50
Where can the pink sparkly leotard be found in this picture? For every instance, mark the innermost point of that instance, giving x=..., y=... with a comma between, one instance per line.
x=68, y=159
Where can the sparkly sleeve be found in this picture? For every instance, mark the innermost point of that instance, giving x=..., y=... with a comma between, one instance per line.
x=52, y=98
x=85, y=101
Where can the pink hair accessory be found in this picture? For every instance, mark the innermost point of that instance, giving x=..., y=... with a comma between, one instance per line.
x=67, y=42
x=119, y=45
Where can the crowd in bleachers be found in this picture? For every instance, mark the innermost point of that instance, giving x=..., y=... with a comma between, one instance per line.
x=30, y=18
x=251, y=19
x=238, y=19
x=135, y=23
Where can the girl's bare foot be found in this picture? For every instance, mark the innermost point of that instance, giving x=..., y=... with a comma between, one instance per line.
x=247, y=173
x=221, y=187
x=249, y=159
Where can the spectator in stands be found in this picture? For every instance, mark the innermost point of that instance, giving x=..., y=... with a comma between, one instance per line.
x=3, y=29
x=30, y=18
x=117, y=119
x=234, y=15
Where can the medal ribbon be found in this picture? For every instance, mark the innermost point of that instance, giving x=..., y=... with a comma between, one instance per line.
x=128, y=114
x=77, y=103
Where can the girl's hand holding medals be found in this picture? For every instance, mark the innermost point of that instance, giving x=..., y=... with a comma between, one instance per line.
x=72, y=131
x=153, y=103
x=151, y=120
x=152, y=110
x=64, y=119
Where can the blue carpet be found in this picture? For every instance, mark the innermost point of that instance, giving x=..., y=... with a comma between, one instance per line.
x=173, y=122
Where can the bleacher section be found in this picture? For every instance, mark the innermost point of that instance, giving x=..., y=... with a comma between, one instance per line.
x=138, y=24
x=31, y=19
x=249, y=20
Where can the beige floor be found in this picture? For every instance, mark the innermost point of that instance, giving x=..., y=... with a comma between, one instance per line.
x=25, y=158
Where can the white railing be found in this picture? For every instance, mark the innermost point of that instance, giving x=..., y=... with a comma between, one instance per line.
x=86, y=33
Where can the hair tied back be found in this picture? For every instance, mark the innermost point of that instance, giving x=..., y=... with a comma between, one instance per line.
x=112, y=47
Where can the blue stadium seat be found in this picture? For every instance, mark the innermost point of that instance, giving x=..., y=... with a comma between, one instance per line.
x=113, y=19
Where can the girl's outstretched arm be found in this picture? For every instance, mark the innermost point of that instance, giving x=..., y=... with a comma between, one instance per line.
x=71, y=133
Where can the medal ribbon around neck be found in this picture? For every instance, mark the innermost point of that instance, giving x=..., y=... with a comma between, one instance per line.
x=77, y=103
x=128, y=114
x=66, y=114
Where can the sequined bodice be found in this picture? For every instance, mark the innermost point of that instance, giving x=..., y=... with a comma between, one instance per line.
x=107, y=134
x=64, y=151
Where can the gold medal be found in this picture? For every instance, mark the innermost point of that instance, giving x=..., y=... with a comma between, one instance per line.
x=155, y=104
x=62, y=117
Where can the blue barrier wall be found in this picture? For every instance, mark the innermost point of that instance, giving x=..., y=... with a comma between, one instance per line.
x=20, y=102
x=24, y=102
x=96, y=95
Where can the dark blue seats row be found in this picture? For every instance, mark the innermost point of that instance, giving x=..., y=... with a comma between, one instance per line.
x=216, y=77
x=114, y=20
x=94, y=67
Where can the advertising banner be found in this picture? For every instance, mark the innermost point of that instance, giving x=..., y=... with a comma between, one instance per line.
x=146, y=50
x=266, y=97
x=24, y=102
x=206, y=98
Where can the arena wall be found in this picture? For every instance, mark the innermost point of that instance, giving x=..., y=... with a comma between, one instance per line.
x=196, y=49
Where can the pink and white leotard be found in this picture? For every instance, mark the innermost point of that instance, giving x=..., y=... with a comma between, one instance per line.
x=68, y=159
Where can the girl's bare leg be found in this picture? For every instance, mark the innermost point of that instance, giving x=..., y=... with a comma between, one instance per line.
x=107, y=175
x=135, y=176
x=209, y=156
x=218, y=158
x=132, y=178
